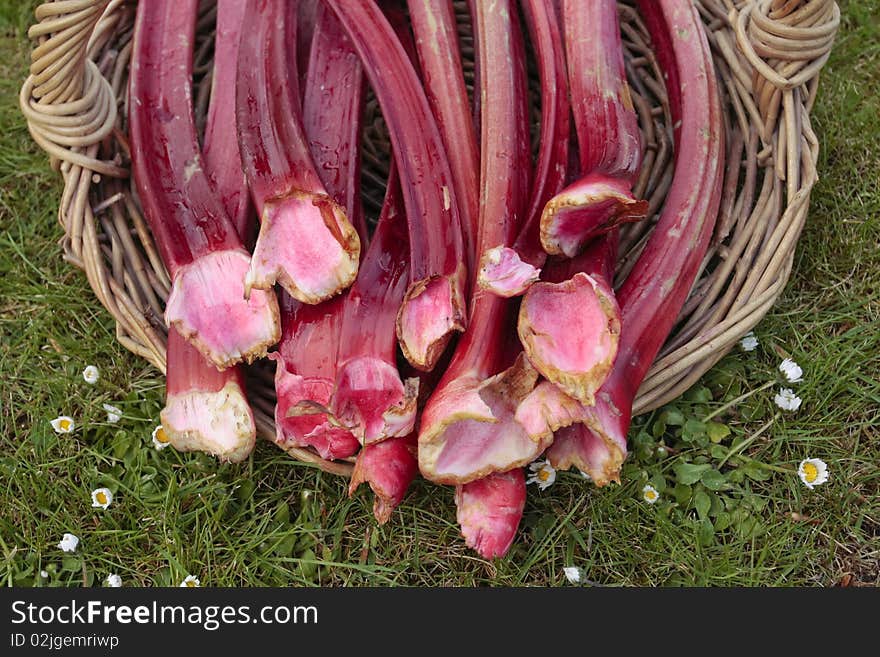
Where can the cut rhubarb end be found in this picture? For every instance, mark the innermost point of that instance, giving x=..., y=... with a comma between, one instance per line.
x=371, y=400
x=389, y=468
x=431, y=312
x=219, y=423
x=207, y=306
x=489, y=511
x=306, y=244
x=504, y=274
x=595, y=443
x=570, y=331
x=586, y=209
x=546, y=409
x=578, y=446
x=301, y=417
x=468, y=429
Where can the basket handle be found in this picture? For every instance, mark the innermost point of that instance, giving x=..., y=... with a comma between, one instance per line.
x=69, y=105
x=787, y=42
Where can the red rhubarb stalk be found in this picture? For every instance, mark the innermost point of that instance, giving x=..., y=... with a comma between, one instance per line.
x=489, y=510
x=333, y=104
x=607, y=131
x=507, y=271
x=569, y=323
x=207, y=410
x=436, y=35
x=467, y=428
x=389, y=467
x=196, y=238
x=370, y=398
x=433, y=307
x=569, y=327
x=306, y=242
x=304, y=377
x=655, y=291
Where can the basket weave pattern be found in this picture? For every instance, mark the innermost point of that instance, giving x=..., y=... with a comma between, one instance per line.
x=768, y=54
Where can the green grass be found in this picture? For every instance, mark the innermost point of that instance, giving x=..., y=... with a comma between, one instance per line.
x=272, y=521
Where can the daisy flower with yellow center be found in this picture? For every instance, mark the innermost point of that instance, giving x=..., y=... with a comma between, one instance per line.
x=101, y=498
x=91, y=374
x=63, y=424
x=191, y=581
x=543, y=474
x=160, y=438
x=813, y=472
x=650, y=494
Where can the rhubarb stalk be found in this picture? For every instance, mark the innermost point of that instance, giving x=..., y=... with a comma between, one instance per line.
x=508, y=271
x=206, y=410
x=333, y=106
x=196, y=238
x=489, y=510
x=369, y=398
x=655, y=291
x=467, y=427
x=607, y=131
x=569, y=327
x=433, y=307
x=306, y=242
x=436, y=35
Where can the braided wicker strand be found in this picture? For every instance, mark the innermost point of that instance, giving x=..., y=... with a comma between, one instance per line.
x=768, y=54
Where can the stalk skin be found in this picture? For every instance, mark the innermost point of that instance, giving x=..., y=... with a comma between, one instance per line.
x=195, y=236
x=433, y=307
x=306, y=242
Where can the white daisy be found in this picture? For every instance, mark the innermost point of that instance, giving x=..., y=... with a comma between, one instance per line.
x=650, y=494
x=69, y=542
x=113, y=414
x=44, y=574
x=113, y=581
x=160, y=438
x=572, y=574
x=191, y=581
x=748, y=342
x=63, y=424
x=787, y=400
x=792, y=371
x=813, y=472
x=91, y=374
x=544, y=474
x=101, y=498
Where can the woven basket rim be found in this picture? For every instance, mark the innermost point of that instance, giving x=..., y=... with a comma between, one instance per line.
x=768, y=54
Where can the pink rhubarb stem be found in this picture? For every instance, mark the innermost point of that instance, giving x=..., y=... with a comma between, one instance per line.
x=655, y=291
x=369, y=397
x=436, y=35
x=607, y=130
x=489, y=510
x=205, y=409
x=433, y=307
x=306, y=242
x=389, y=467
x=196, y=238
x=333, y=104
x=467, y=428
x=509, y=271
x=569, y=323
x=304, y=378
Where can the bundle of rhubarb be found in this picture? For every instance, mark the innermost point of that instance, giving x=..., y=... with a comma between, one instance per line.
x=481, y=319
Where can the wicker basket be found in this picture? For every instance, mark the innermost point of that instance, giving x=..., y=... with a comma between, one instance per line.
x=768, y=54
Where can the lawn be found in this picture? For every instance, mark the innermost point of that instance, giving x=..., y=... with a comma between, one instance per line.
x=272, y=521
